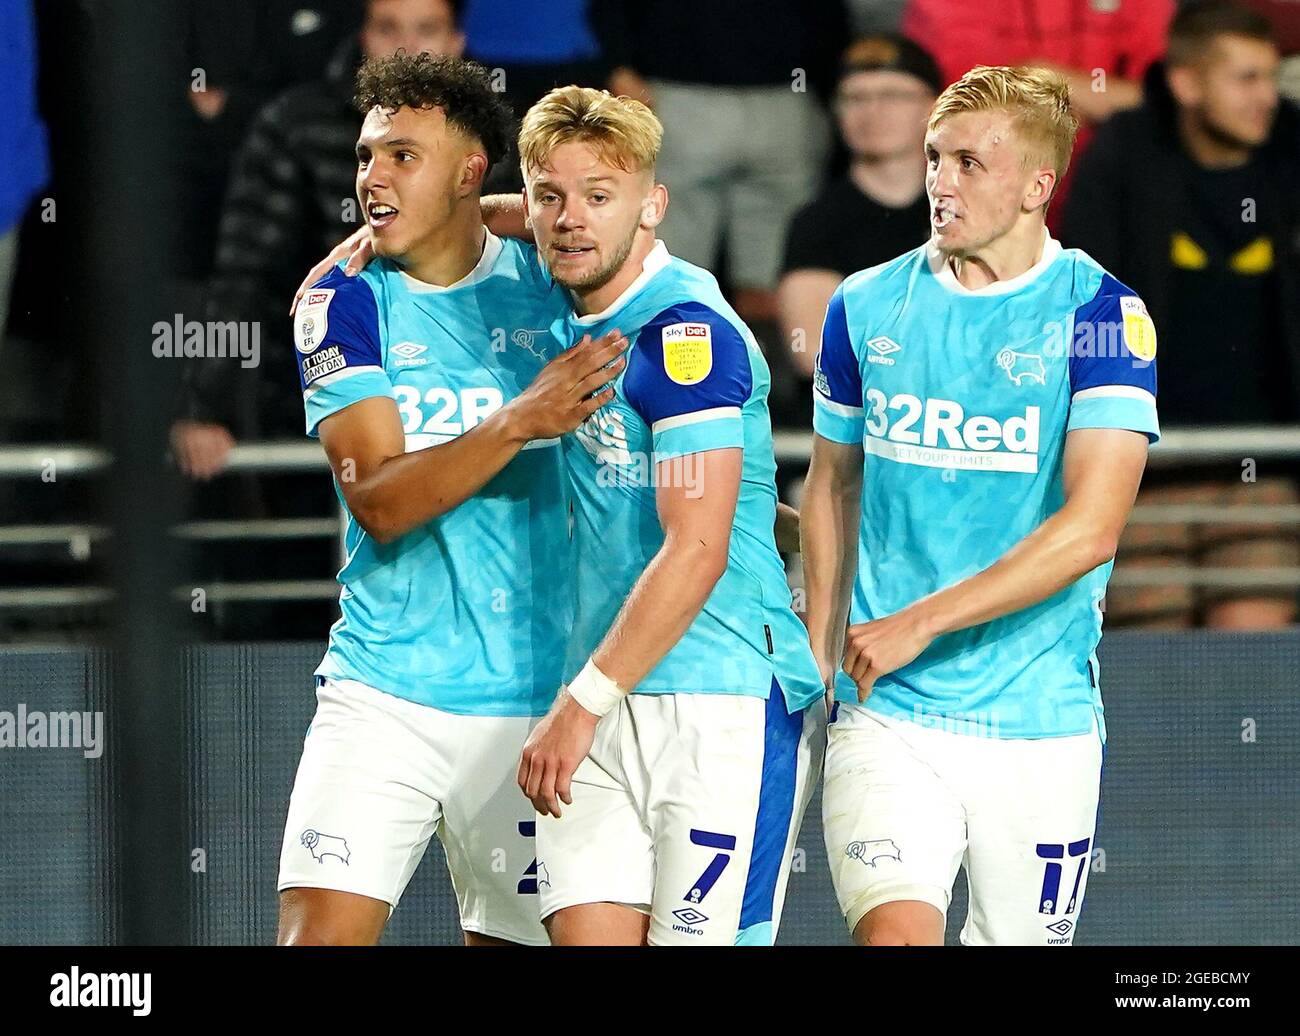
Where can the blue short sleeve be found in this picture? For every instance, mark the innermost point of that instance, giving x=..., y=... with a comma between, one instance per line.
x=837, y=380
x=689, y=377
x=1113, y=363
x=339, y=350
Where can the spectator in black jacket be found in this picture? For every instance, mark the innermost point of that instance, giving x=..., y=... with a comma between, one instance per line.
x=292, y=198
x=1191, y=200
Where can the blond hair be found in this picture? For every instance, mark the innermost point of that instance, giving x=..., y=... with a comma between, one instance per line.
x=623, y=131
x=1037, y=98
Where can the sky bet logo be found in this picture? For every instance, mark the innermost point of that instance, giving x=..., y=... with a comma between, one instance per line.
x=937, y=433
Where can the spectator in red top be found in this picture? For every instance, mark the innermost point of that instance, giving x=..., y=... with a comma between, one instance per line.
x=1103, y=47
x=1284, y=16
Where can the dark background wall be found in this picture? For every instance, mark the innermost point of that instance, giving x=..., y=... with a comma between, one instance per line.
x=1199, y=839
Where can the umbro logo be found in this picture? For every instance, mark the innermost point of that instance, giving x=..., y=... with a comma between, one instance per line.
x=408, y=353
x=882, y=349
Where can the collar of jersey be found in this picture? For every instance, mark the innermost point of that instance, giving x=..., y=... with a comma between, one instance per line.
x=491, y=249
x=655, y=260
x=942, y=271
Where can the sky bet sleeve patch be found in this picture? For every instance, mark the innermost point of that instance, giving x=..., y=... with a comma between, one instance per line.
x=688, y=352
x=1139, y=331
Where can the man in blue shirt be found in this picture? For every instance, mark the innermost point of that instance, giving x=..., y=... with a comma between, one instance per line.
x=439, y=391
x=983, y=407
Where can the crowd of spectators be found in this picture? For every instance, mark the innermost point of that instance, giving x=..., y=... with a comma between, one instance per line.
x=793, y=156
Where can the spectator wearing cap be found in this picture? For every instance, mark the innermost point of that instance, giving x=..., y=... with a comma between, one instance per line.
x=1191, y=201
x=877, y=210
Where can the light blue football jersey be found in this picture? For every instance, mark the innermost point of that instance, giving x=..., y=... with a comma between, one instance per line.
x=695, y=381
x=962, y=400
x=469, y=613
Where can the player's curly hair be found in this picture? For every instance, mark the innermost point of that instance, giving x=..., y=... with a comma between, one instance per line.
x=462, y=89
x=623, y=131
x=1038, y=98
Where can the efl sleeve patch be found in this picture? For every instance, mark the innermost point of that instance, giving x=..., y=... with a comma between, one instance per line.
x=340, y=353
x=311, y=319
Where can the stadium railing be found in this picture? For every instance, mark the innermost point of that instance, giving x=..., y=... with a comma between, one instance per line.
x=1179, y=446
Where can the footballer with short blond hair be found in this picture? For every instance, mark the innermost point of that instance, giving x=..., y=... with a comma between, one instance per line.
x=672, y=772
x=983, y=408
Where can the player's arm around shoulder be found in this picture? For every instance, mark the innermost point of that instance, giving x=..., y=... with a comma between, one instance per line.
x=502, y=213
x=351, y=406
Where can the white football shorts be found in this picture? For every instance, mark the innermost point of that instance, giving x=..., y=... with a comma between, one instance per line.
x=687, y=808
x=905, y=805
x=380, y=775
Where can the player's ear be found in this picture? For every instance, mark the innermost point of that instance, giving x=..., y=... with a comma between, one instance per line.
x=1040, y=190
x=654, y=206
x=528, y=214
x=474, y=171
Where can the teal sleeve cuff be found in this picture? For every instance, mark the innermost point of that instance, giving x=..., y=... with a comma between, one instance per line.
x=837, y=422
x=697, y=433
x=1134, y=415
x=321, y=401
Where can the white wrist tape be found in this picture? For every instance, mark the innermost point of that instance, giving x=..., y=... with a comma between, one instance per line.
x=595, y=691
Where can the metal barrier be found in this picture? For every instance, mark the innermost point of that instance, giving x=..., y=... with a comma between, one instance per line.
x=1197, y=844
x=1179, y=446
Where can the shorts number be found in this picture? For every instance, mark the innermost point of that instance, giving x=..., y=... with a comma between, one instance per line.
x=717, y=865
x=1048, y=898
x=528, y=883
